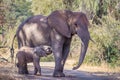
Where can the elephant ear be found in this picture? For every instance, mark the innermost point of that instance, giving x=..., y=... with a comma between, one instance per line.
x=58, y=21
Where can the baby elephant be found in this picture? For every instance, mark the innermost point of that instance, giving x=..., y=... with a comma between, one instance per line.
x=27, y=54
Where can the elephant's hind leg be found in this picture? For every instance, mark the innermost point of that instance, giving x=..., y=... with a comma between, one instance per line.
x=37, y=67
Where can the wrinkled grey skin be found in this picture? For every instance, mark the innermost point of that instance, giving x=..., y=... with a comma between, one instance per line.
x=26, y=55
x=42, y=51
x=56, y=30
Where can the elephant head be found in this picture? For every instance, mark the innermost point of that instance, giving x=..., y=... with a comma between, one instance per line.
x=68, y=23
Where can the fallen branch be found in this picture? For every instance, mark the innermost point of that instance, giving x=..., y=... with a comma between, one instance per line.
x=3, y=59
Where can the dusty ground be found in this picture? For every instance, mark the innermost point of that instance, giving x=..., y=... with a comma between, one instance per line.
x=9, y=72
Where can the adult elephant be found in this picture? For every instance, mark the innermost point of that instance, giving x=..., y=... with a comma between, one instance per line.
x=56, y=31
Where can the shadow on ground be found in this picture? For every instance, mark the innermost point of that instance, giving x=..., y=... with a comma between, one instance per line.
x=10, y=71
x=70, y=75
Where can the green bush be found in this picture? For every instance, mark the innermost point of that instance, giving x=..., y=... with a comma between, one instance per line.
x=106, y=47
x=49, y=58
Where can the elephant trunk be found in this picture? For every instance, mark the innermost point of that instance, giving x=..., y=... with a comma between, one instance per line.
x=85, y=37
x=82, y=55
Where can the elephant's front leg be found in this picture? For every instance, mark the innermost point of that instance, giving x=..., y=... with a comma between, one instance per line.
x=36, y=60
x=57, y=49
x=57, y=52
x=58, y=71
x=66, y=49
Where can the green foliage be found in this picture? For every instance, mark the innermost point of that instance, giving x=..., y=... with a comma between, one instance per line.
x=49, y=58
x=22, y=9
x=45, y=7
x=106, y=47
x=14, y=11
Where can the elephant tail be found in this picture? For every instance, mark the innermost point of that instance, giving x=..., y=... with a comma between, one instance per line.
x=12, y=49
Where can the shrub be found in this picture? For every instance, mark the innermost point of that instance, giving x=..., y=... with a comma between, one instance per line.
x=106, y=47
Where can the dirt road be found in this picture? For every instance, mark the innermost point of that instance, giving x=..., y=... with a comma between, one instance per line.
x=47, y=71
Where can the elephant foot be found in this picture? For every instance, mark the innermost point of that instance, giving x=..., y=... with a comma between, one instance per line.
x=58, y=74
x=24, y=72
x=37, y=74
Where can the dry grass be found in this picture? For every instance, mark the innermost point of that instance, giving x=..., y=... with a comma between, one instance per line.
x=6, y=77
x=90, y=68
x=102, y=68
x=9, y=72
x=6, y=71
